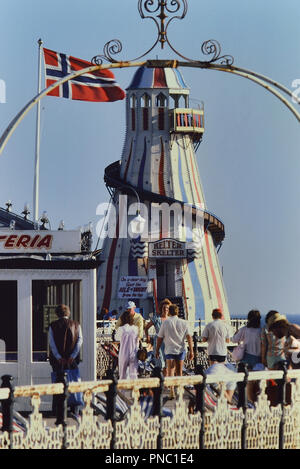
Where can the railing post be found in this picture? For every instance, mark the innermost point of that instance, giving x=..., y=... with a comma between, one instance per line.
x=282, y=400
x=62, y=406
x=200, y=402
x=111, y=399
x=158, y=402
x=243, y=401
x=7, y=408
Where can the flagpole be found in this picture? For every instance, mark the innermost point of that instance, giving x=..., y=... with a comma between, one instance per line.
x=37, y=144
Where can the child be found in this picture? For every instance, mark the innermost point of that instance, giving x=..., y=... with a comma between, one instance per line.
x=127, y=334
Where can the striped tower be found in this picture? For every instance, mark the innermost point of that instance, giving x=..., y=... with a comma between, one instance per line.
x=159, y=166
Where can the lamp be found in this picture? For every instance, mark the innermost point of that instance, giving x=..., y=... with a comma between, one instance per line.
x=26, y=211
x=44, y=219
x=8, y=206
x=138, y=223
x=61, y=225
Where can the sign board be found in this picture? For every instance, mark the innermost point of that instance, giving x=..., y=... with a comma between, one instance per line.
x=167, y=248
x=133, y=287
x=39, y=241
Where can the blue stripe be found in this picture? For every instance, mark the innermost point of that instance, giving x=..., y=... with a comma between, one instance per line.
x=137, y=78
x=180, y=78
x=183, y=193
x=199, y=302
x=81, y=79
x=64, y=68
x=142, y=167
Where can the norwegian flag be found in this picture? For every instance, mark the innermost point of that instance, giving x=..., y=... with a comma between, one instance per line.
x=95, y=86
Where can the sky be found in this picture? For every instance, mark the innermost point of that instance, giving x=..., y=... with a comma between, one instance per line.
x=249, y=158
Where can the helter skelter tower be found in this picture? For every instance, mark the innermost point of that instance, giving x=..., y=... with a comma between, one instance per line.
x=158, y=169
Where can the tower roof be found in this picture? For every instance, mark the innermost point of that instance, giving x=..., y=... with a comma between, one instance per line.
x=156, y=77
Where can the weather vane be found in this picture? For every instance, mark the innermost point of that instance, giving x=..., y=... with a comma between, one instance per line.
x=162, y=12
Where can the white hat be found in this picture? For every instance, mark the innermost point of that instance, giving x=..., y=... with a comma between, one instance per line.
x=130, y=305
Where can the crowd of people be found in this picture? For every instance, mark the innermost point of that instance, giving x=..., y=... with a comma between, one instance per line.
x=171, y=334
x=263, y=346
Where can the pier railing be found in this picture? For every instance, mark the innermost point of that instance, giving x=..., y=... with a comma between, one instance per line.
x=273, y=421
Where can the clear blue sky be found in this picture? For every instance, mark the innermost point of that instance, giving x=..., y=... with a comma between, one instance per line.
x=249, y=160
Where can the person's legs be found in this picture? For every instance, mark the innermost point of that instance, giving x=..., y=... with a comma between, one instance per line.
x=170, y=372
x=229, y=393
x=170, y=367
x=133, y=369
x=178, y=367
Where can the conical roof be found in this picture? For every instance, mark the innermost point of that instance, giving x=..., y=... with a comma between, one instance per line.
x=157, y=77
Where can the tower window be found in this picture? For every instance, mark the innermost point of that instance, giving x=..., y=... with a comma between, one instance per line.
x=132, y=103
x=145, y=103
x=161, y=103
x=161, y=100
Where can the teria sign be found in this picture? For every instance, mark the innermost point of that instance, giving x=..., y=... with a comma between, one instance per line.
x=39, y=241
x=167, y=248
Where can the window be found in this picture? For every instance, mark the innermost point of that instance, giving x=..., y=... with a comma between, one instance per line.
x=8, y=321
x=161, y=100
x=132, y=103
x=46, y=295
x=145, y=102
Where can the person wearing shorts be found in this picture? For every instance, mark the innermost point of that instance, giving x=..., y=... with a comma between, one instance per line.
x=173, y=332
x=217, y=335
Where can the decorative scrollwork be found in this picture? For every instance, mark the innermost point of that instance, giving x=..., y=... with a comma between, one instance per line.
x=213, y=47
x=162, y=12
x=112, y=47
x=164, y=6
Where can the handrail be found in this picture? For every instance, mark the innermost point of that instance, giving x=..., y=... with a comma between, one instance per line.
x=124, y=384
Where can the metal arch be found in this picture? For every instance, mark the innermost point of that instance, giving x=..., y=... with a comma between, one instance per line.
x=253, y=76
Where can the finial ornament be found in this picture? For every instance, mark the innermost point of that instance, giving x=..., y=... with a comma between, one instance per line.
x=162, y=12
x=165, y=8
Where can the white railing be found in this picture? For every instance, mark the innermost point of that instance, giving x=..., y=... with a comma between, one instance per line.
x=190, y=423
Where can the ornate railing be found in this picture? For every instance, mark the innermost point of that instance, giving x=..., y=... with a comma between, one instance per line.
x=267, y=425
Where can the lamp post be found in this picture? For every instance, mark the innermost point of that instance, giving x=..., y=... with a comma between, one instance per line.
x=138, y=223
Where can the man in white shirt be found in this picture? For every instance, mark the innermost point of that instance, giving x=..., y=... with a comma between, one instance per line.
x=173, y=333
x=217, y=335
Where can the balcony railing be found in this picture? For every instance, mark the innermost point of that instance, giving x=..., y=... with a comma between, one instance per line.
x=189, y=121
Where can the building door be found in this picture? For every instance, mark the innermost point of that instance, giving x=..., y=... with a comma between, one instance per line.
x=165, y=272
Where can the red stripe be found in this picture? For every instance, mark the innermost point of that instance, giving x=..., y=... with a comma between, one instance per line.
x=159, y=78
x=194, y=179
x=91, y=93
x=220, y=304
x=161, y=184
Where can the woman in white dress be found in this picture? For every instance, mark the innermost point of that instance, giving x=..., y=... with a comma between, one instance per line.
x=127, y=335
